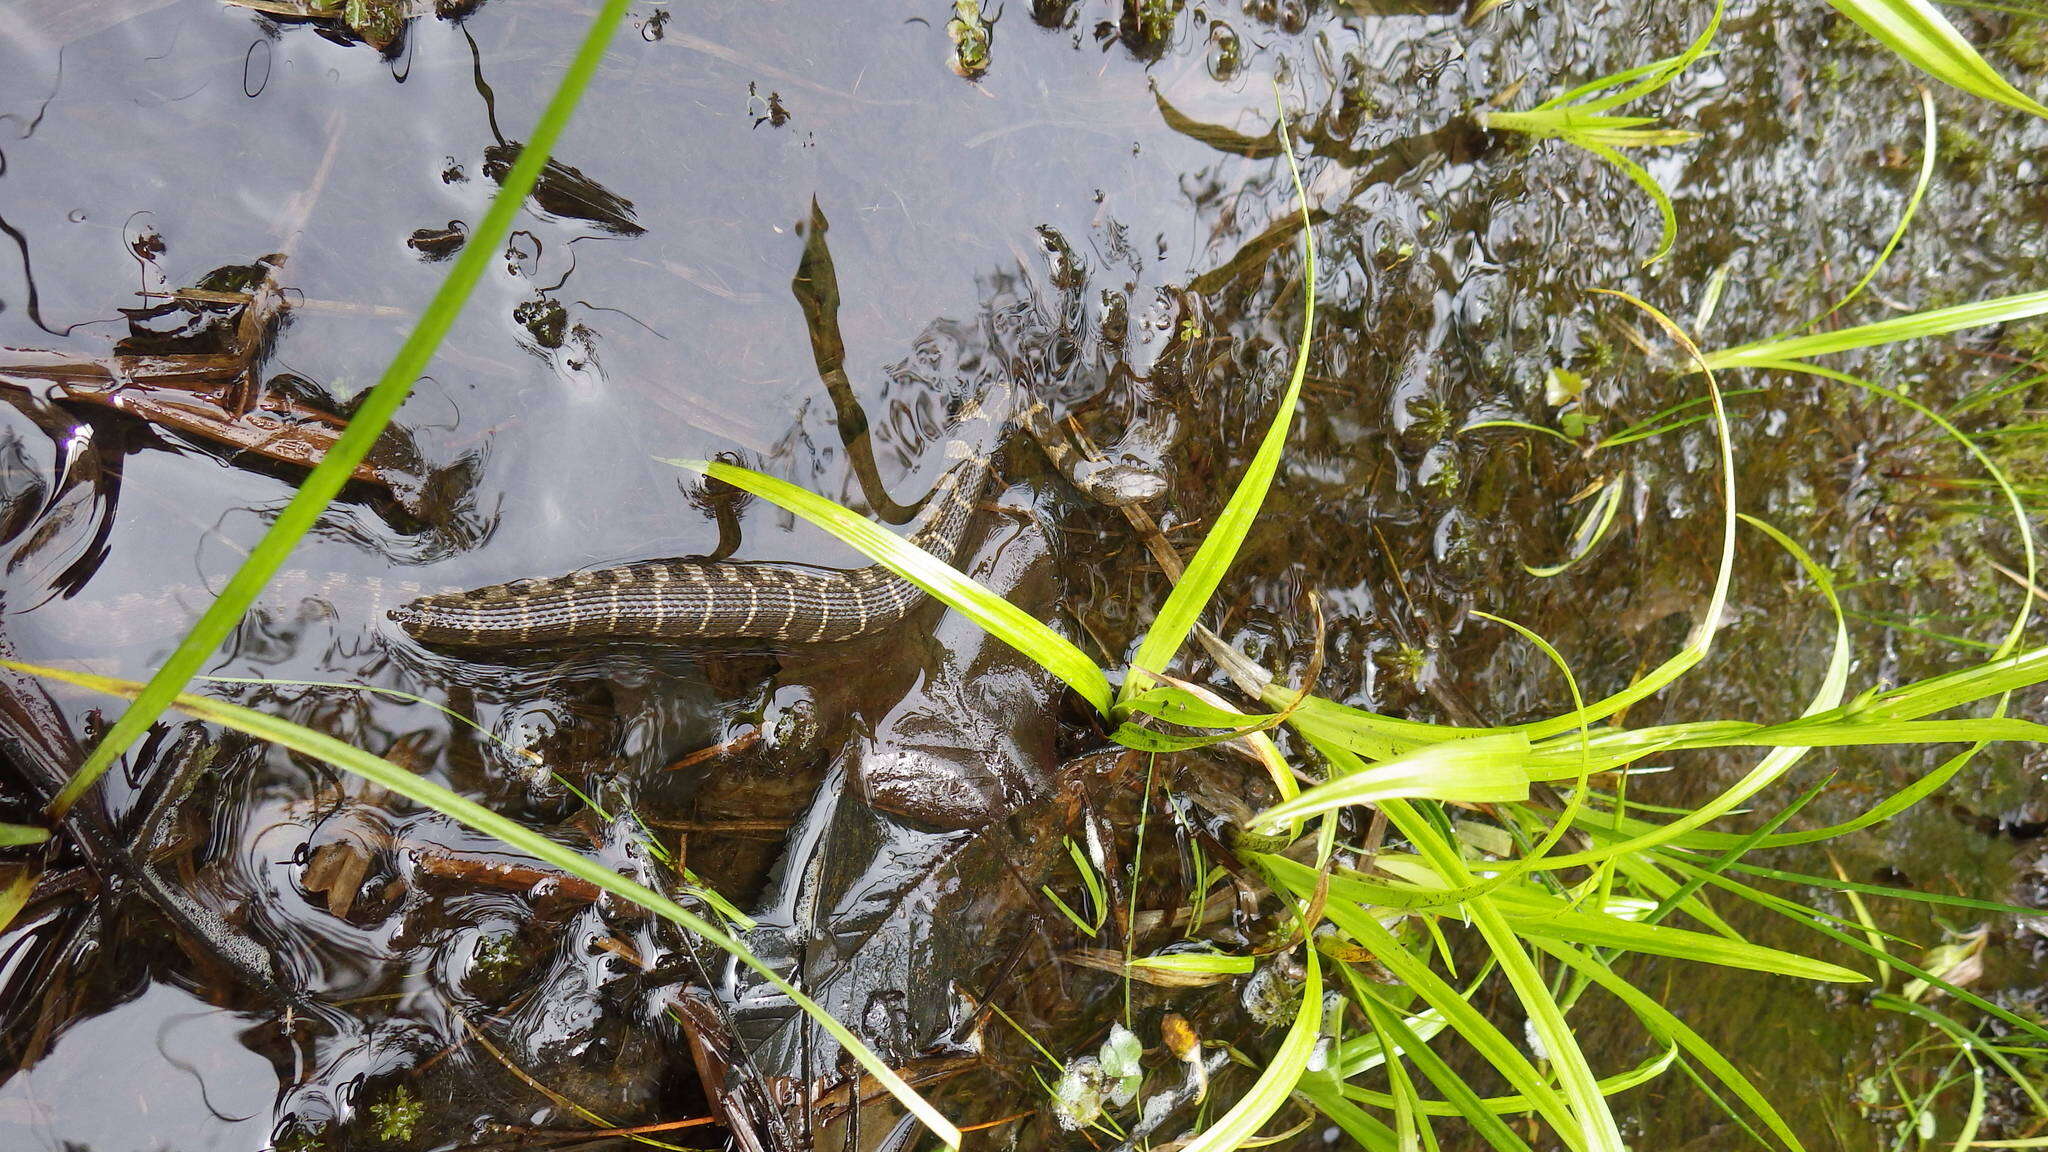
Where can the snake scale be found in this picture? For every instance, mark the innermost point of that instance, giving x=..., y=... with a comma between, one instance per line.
x=686, y=600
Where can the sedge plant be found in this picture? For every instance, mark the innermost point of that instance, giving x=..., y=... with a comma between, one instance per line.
x=1524, y=910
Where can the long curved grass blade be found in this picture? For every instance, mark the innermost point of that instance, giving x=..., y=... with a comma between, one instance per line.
x=1929, y=147
x=2022, y=522
x=1003, y=620
x=1668, y=419
x=371, y=415
x=1886, y=891
x=1373, y=1136
x=1593, y=529
x=1196, y=586
x=425, y=792
x=1781, y=353
x=1663, y=1025
x=1536, y=914
x=1656, y=75
x=1459, y=1098
x=1816, y=921
x=1878, y=813
x=1481, y=770
x=1520, y=425
x=1581, y=117
x=1920, y=35
x=1641, y=178
x=1497, y=1106
x=1679, y=943
x=1271, y=1090
x=1696, y=649
x=1834, y=686
x=1493, y=1046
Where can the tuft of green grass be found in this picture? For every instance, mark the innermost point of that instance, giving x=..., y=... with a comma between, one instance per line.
x=1585, y=116
x=1376, y=939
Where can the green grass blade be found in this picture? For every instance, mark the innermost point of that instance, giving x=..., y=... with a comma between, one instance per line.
x=1534, y=913
x=1494, y=1047
x=428, y=794
x=1665, y=71
x=1598, y=931
x=1815, y=920
x=1921, y=36
x=1593, y=1120
x=1696, y=649
x=1780, y=353
x=1834, y=685
x=1274, y=1085
x=1003, y=620
x=1198, y=962
x=1663, y=1025
x=1460, y=1099
x=1497, y=1106
x=2022, y=522
x=1593, y=529
x=1193, y=591
x=1928, y=150
x=1480, y=770
x=1322, y=1092
x=1886, y=891
x=374, y=412
x=20, y=835
x=1878, y=813
x=1521, y=425
x=1641, y=178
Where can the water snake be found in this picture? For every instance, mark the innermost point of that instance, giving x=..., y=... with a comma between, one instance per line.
x=697, y=601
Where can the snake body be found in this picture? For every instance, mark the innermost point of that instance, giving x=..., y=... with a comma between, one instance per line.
x=698, y=601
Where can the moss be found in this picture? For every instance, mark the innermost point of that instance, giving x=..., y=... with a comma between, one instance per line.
x=497, y=957
x=1406, y=663
x=302, y=1137
x=2029, y=341
x=1962, y=151
x=2026, y=45
x=397, y=1116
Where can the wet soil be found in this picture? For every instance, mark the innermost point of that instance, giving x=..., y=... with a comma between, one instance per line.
x=1099, y=210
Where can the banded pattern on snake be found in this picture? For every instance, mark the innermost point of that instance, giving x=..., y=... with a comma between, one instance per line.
x=697, y=601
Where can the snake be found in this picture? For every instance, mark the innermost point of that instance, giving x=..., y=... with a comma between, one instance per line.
x=690, y=600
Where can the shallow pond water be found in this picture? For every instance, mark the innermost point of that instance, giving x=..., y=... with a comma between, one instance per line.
x=1101, y=213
